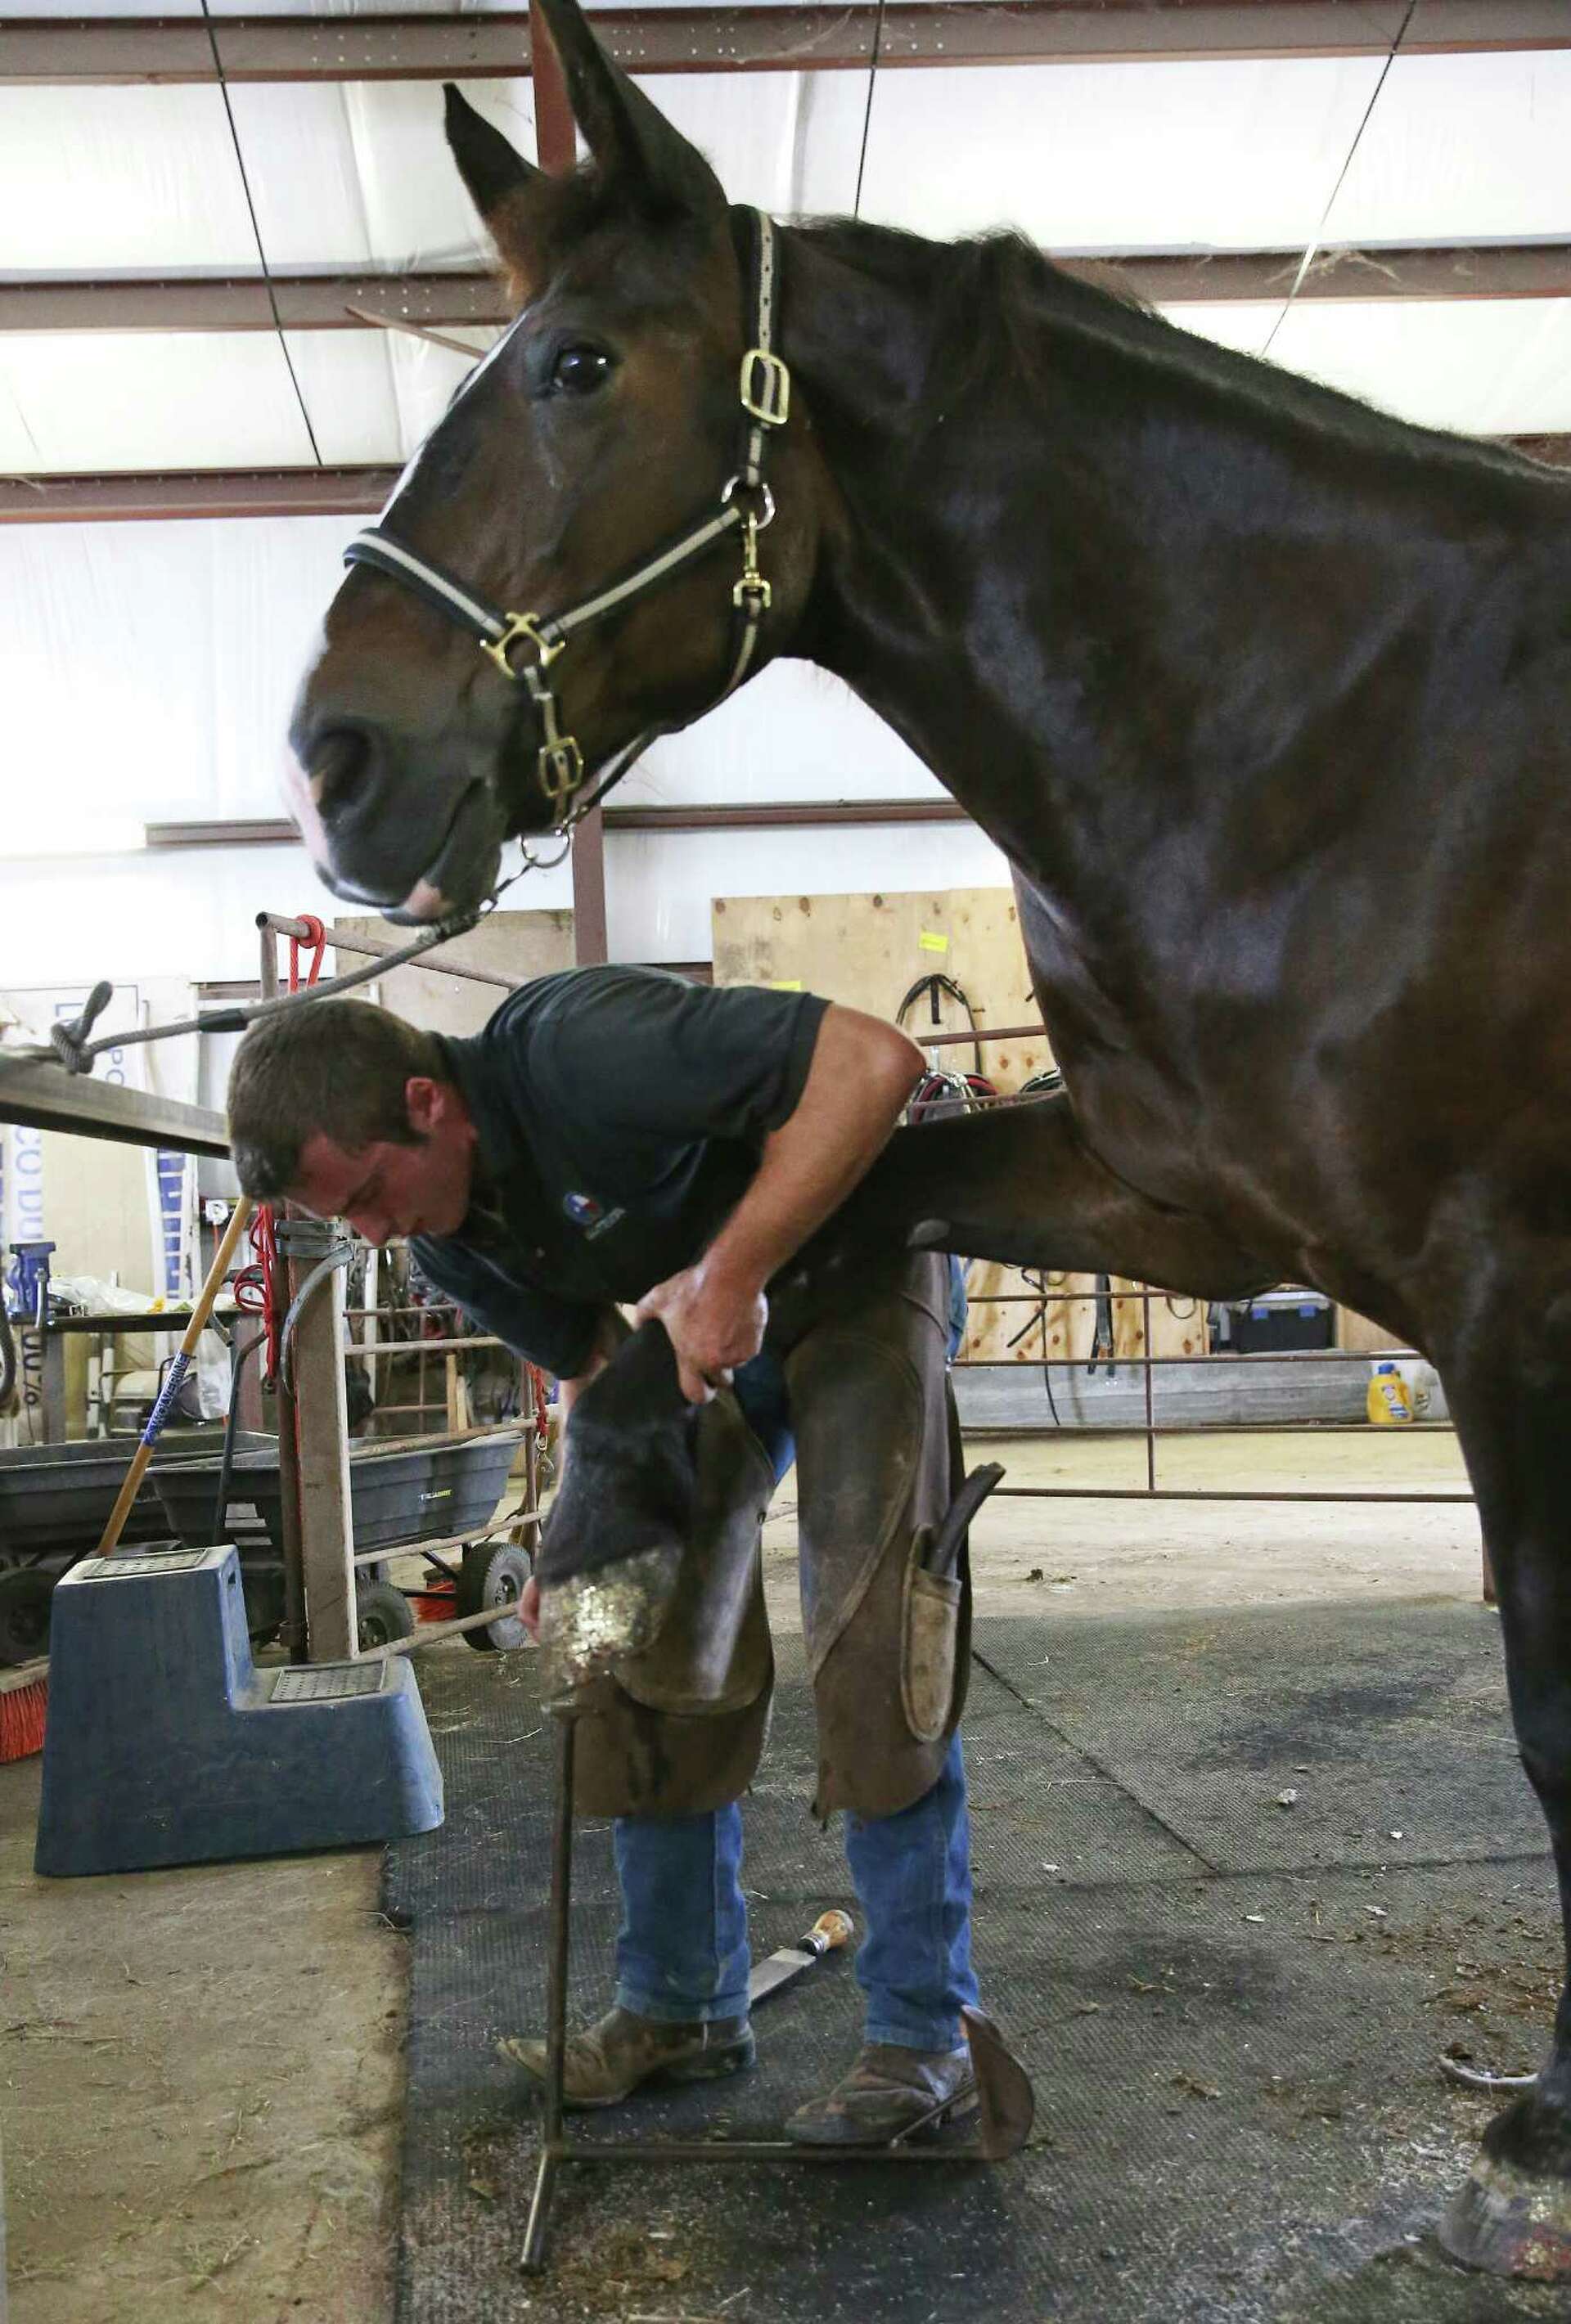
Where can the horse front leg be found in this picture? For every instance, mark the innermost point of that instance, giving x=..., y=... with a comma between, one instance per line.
x=1018, y=1184
x=1512, y=2216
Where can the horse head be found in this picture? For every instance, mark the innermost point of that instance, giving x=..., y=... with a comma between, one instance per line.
x=471, y=684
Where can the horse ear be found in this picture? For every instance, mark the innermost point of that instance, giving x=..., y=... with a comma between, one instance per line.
x=635, y=148
x=501, y=182
x=489, y=166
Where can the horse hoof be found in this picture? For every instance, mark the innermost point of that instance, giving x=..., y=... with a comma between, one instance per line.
x=591, y=1620
x=1511, y=2218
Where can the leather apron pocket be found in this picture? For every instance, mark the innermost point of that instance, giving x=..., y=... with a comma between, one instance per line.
x=932, y=1632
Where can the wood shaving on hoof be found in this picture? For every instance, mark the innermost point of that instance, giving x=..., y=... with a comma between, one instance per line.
x=591, y=1620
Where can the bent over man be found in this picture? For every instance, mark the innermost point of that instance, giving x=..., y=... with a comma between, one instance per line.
x=616, y=1137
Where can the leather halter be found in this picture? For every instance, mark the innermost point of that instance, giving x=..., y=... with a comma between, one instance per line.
x=524, y=646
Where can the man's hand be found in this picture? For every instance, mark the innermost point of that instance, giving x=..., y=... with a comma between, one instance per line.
x=529, y=1609
x=714, y=1322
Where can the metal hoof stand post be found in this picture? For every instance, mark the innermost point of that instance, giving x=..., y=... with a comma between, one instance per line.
x=1007, y=2104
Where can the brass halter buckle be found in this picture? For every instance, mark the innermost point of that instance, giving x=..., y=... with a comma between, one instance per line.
x=560, y=768
x=521, y=625
x=766, y=388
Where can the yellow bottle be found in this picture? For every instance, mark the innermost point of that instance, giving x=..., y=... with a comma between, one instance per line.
x=1388, y=1402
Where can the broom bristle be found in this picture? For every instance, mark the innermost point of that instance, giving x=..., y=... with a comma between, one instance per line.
x=23, y=1711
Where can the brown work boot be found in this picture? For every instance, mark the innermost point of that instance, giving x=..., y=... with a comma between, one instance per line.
x=607, y=2061
x=888, y=2089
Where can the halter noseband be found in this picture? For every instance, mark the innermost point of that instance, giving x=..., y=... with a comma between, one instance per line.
x=524, y=646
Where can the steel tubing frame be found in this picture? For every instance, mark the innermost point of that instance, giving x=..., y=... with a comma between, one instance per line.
x=373, y=948
x=1150, y=1432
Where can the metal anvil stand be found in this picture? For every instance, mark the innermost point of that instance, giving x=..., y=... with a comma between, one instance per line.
x=1005, y=2101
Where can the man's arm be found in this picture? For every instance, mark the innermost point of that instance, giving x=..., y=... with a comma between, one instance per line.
x=861, y=1073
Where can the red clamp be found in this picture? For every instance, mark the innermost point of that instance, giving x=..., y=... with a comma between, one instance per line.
x=316, y=936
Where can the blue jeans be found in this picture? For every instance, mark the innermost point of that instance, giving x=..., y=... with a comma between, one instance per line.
x=682, y=1952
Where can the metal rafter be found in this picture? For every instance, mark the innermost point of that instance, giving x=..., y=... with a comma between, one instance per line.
x=351, y=302
x=195, y=492
x=769, y=39
x=294, y=492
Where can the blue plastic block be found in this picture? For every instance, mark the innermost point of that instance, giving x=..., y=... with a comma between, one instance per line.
x=165, y=1745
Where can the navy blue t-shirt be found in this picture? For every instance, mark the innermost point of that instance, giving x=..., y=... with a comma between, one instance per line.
x=621, y=1115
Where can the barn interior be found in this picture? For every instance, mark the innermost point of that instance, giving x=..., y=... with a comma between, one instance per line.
x=1262, y=1891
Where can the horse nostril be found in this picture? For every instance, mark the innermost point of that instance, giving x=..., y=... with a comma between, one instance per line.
x=341, y=761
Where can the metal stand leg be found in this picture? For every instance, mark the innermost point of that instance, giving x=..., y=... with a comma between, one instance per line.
x=1005, y=2092
x=551, y=2143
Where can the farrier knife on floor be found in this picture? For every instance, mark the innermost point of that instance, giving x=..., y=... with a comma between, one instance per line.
x=828, y=1933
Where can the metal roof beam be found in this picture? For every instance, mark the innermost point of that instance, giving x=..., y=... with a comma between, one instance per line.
x=295, y=491
x=241, y=303
x=766, y=38
x=199, y=492
x=351, y=302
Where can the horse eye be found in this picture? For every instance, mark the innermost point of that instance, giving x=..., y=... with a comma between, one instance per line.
x=580, y=369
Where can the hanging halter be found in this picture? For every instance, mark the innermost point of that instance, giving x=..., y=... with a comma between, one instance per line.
x=523, y=647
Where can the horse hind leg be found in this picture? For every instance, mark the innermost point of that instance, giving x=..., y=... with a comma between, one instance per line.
x=1512, y=1409
x=1018, y=1184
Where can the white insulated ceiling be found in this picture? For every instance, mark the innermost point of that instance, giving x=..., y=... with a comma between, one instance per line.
x=1134, y=157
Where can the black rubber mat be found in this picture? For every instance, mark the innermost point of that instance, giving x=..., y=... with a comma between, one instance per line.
x=1232, y=2016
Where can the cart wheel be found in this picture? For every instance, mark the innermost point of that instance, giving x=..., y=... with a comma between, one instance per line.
x=382, y=1614
x=24, y=1595
x=494, y=1574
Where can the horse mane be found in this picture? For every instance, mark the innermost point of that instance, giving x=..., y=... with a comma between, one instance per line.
x=1034, y=309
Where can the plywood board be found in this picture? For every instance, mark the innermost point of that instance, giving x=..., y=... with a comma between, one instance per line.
x=1361, y=1333
x=868, y=950
x=518, y=944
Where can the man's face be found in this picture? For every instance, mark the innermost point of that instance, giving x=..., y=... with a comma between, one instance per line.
x=386, y=1190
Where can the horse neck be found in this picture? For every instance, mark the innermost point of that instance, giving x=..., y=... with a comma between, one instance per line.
x=1042, y=542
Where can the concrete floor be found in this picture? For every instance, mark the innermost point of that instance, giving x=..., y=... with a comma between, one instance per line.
x=202, y=2074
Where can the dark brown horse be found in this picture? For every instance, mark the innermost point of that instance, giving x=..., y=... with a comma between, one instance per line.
x=1266, y=695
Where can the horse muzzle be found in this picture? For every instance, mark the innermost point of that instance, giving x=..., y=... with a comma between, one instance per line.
x=390, y=825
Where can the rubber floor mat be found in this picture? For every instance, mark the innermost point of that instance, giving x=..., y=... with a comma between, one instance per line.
x=1241, y=2115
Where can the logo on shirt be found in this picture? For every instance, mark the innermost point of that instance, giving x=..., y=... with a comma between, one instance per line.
x=593, y=1217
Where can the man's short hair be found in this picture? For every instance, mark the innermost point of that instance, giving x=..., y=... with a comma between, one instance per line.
x=338, y=1066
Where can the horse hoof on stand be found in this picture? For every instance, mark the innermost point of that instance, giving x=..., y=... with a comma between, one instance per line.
x=1513, y=2213
x=591, y=1620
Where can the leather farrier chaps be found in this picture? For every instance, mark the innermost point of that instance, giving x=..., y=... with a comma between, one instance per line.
x=679, y=1726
